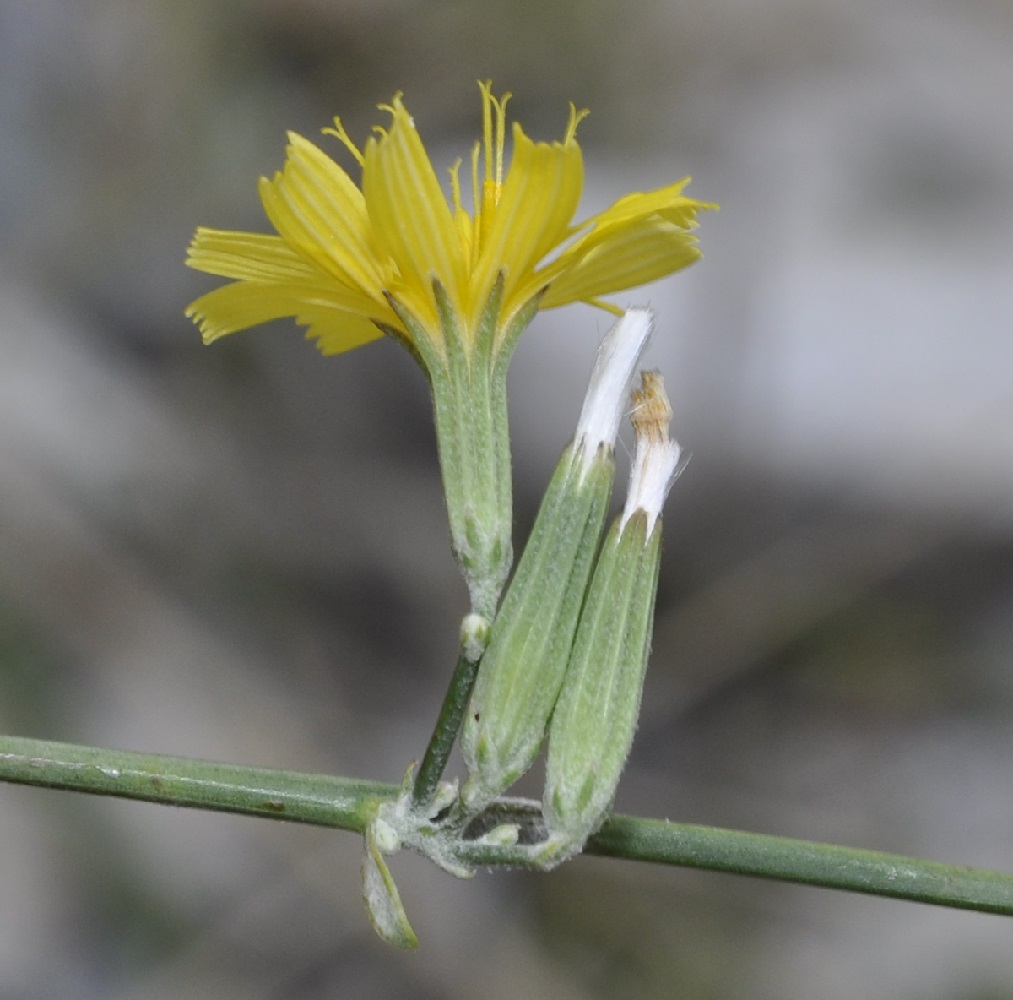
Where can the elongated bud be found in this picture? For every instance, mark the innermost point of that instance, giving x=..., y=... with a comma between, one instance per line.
x=522, y=669
x=596, y=714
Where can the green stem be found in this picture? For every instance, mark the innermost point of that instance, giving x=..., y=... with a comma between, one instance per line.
x=200, y=784
x=350, y=804
x=434, y=762
x=806, y=862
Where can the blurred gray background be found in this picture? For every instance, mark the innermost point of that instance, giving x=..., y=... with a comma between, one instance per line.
x=239, y=552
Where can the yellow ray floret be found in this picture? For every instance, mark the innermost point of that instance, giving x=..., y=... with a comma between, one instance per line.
x=345, y=251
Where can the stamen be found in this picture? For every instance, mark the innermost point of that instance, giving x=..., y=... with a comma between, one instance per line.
x=476, y=188
x=500, y=137
x=394, y=109
x=395, y=103
x=576, y=117
x=455, y=185
x=462, y=221
x=339, y=132
x=488, y=101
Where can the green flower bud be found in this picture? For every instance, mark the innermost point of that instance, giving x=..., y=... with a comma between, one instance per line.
x=521, y=672
x=596, y=714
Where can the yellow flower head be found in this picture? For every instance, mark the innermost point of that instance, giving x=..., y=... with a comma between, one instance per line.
x=349, y=261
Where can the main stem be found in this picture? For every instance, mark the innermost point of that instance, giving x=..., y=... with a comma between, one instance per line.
x=350, y=804
x=320, y=799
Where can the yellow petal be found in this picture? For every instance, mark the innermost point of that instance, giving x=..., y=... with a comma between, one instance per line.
x=533, y=215
x=253, y=256
x=668, y=202
x=337, y=332
x=318, y=210
x=343, y=254
x=411, y=218
x=618, y=258
x=242, y=304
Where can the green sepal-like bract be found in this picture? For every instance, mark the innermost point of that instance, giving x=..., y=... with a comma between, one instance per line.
x=379, y=893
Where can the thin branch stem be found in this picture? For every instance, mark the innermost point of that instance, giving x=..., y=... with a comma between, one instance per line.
x=349, y=804
x=455, y=702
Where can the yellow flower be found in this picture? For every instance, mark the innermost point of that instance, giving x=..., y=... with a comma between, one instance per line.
x=350, y=262
x=393, y=255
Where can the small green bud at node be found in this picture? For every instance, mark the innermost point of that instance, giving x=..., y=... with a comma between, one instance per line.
x=385, y=836
x=443, y=798
x=474, y=636
x=504, y=835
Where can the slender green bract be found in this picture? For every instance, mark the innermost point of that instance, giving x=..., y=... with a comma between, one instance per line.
x=381, y=898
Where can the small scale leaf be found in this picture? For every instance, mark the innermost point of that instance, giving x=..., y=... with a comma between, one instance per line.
x=382, y=900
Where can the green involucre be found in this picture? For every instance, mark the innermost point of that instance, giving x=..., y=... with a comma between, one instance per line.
x=467, y=381
x=522, y=669
x=596, y=714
